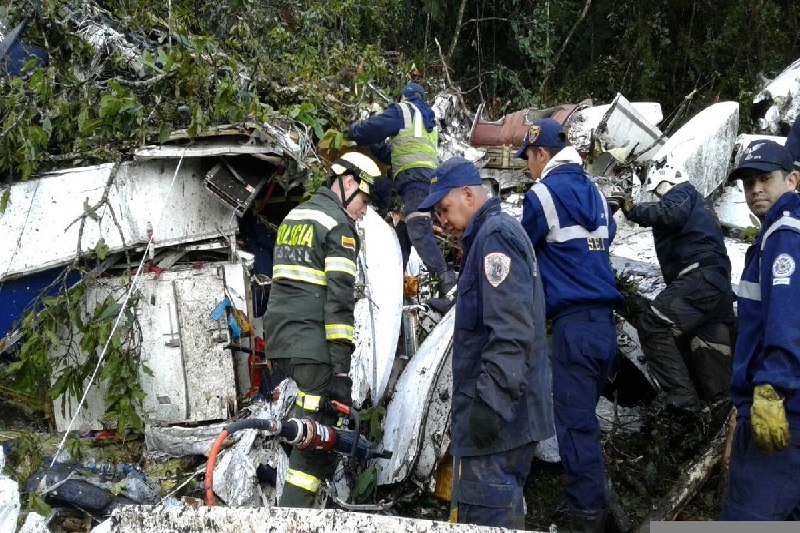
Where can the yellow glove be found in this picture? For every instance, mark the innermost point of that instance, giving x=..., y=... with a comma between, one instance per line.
x=770, y=427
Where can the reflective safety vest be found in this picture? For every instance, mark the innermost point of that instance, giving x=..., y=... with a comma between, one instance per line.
x=413, y=146
x=311, y=301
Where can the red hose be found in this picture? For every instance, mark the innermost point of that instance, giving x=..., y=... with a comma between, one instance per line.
x=212, y=461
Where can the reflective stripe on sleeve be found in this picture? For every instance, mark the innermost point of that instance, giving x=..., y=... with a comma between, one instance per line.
x=308, y=402
x=335, y=332
x=340, y=264
x=302, y=480
x=556, y=233
x=749, y=290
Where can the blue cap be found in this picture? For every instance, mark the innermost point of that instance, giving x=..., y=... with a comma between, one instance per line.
x=544, y=132
x=762, y=157
x=453, y=173
x=414, y=89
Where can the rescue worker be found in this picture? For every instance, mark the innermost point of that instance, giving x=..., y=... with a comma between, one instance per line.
x=410, y=126
x=765, y=453
x=568, y=221
x=697, y=300
x=308, y=325
x=502, y=403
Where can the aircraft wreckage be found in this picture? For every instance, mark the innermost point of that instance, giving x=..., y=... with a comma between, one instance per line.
x=189, y=225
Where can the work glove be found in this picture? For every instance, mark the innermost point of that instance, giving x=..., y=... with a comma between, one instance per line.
x=340, y=389
x=768, y=417
x=484, y=424
x=627, y=204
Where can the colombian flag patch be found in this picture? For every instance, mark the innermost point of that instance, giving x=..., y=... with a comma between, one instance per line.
x=348, y=243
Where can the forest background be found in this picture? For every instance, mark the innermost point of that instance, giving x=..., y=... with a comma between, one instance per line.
x=204, y=63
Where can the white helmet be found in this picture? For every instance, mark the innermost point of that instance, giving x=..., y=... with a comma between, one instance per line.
x=360, y=166
x=666, y=173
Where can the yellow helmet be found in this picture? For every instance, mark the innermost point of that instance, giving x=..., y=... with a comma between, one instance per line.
x=360, y=166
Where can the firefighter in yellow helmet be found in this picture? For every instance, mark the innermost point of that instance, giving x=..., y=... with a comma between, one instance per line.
x=308, y=324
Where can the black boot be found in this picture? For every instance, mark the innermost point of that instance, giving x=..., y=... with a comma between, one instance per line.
x=582, y=521
x=447, y=292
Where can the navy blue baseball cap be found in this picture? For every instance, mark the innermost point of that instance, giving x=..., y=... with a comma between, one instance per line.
x=453, y=173
x=544, y=132
x=414, y=89
x=762, y=157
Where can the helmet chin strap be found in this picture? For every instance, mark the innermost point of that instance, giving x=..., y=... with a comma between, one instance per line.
x=345, y=201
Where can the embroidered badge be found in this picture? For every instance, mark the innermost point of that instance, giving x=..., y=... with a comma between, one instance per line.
x=348, y=243
x=533, y=133
x=782, y=269
x=496, y=266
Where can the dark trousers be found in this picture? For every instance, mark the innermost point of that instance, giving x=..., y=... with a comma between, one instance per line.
x=307, y=468
x=419, y=226
x=488, y=488
x=761, y=485
x=692, y=306
x=584, y=351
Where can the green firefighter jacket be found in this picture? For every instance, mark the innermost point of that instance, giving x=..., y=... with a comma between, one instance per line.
x=310, y=309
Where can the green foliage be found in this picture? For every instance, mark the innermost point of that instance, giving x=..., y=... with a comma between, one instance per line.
x=374, y=417
x=749, y=235
x=62, y=348
x=366, y=485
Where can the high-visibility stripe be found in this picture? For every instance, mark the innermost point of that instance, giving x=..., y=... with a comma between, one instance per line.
x=312, y=214
x=338, y=332
x=417, y=214
x=299, y=273
x=340, y=264
x=749, y=290
x=302, y=480
x=557, y=233
x=785, y=220
x=309, y=402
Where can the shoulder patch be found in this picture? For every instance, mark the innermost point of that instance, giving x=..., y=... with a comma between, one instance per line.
x=783, y=267
x=496, y=267
x=349, y=243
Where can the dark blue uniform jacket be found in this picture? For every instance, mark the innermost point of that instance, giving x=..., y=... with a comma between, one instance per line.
x=568, y=222
x=768, y=345
x=685, y=232
x=499, y=346
x=374, y=131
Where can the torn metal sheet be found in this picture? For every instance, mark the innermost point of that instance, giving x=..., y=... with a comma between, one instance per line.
x=9, y=498
x=180, y=441
x=777, y=105
x=34, y=523
x=138, y=519
x=42, y=221
x=180, y=343
x=629, y=345
x=436, y=434
x=235, y=472
x=703, y=146
x=378, y=312
x=620, y=124
x=95, y=25
x=617, y=418
x=407, y=413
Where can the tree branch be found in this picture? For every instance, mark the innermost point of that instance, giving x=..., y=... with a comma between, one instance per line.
x=457, y=30
x=553, y=64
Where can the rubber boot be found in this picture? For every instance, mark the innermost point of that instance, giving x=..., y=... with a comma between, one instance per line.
x=583, y=521
x=447, y=293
